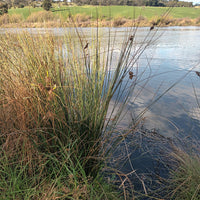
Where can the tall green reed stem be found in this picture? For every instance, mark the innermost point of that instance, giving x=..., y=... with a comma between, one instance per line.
x=57, y=90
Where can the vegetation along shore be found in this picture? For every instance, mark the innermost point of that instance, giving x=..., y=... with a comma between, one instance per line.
x=64, y=101
x=59, y=15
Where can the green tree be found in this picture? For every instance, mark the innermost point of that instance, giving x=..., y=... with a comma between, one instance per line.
x=3, y=8
x=152, y=3
x=47, y=4
x=65, y=2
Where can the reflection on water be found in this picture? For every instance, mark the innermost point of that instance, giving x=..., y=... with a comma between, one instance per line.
x=178, y=52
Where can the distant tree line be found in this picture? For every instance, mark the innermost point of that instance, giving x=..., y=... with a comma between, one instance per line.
x=47, y=4
x=18, y=3
x=3, y=8
x=158, y=3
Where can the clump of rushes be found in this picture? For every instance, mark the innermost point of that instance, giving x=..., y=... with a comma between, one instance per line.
x=54, y=98
x=185, y=179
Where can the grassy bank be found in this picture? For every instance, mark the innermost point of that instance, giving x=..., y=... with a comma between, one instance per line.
x=113, y=11
x=86, y=16
x=184, y=182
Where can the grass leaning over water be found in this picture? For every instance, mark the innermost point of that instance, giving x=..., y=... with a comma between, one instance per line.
x=185, y=179
x=54, y=98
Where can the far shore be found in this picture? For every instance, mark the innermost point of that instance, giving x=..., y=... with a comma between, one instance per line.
x=117, y=22
x=108, y=16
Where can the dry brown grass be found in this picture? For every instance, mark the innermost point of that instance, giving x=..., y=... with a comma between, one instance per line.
x=10, y=19
x=48, y=19
x=198, y=21
x=82, y=18
x=42, y=16
x=119, y=21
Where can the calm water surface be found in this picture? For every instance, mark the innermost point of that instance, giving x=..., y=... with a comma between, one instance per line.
x=177, y=52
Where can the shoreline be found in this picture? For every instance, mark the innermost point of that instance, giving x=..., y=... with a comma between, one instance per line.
x=118, y=22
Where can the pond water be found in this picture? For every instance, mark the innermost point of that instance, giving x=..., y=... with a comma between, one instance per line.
x=170, y=62
x=177, y=52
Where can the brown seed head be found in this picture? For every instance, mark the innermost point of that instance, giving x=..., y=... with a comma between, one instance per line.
x=131, y=73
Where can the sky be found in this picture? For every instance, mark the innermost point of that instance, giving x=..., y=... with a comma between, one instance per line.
x=194, y=1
